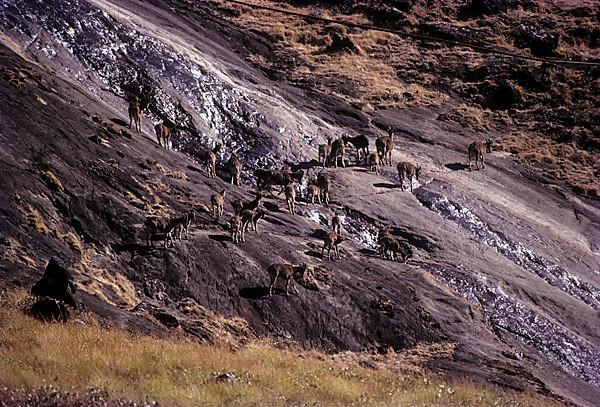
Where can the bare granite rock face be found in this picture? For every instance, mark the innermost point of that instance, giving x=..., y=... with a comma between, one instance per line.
x=505, y=261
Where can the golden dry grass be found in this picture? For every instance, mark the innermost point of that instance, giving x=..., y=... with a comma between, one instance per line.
x=562, y=161
x=365, y=78
x=43, y=223
x=109, y=285
x=78, y=355
x=52, y=181
x=13, y=251
x=392, y=72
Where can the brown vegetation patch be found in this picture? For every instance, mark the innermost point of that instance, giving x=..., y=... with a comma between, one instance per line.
x=110, y=286
x=364, y=77
x=86, y=355
x=562, y=162
x=14, y=252
x=52, y=181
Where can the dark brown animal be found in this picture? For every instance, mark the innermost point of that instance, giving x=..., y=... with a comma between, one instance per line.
x=360, y=143
x=267, y=177
x=324, y=182
x=476, y=151
x=251, y=217
x=240, y=205
x=390, y=246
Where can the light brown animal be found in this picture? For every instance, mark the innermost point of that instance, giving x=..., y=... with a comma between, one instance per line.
x=211, y=163
x=338, y=151
x=286, y=271
x=476, y=151
x=135, y=115
x=313, y=192
x=332, y=240
x=251, y=217
x=407, y=171
x=290, y=197
x=237, y=233
x=336, y=224
x=385, y=146
x=325, y=152
x=218, y=203
x=234, y=167
x=163, y=135
x=373, y=161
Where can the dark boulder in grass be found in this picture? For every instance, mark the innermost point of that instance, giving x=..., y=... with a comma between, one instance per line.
x=503, y=96
x=49, y=309
x=539, y=40
x=341, y=43
x=56, y=283
x=489, y=7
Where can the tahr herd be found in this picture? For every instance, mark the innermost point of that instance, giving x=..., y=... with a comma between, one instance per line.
x=246, y=214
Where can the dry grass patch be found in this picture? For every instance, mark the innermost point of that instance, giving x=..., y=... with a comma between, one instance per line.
x=170, y=173
x=368, y=77
x=14, y=252
x=75, y=357
x=110, y=286
x=39, y=223
x=564, y=162
x=52, y=181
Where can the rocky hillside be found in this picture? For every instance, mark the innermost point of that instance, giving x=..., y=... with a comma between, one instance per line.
x=506, y=264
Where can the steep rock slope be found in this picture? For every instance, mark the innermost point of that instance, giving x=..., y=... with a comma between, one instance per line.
x=504, y=266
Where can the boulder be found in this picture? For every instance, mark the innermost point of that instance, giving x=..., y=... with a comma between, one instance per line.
x=341, y=43
x=539, y=40
x=503, y=96
x=388, y=15
x=49, y=309
x=56, y=283
x=490, y=7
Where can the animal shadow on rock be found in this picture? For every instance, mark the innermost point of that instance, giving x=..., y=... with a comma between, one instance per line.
x=271, y=207
x=220, y=238
x=195, y=169
x=319, y=234
x=120, y=122
x=134, y=248
x=256, y=293
x=457, y=166
x=313, y=253
x=385, y=185
x=304, y=165
x=368, y=252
